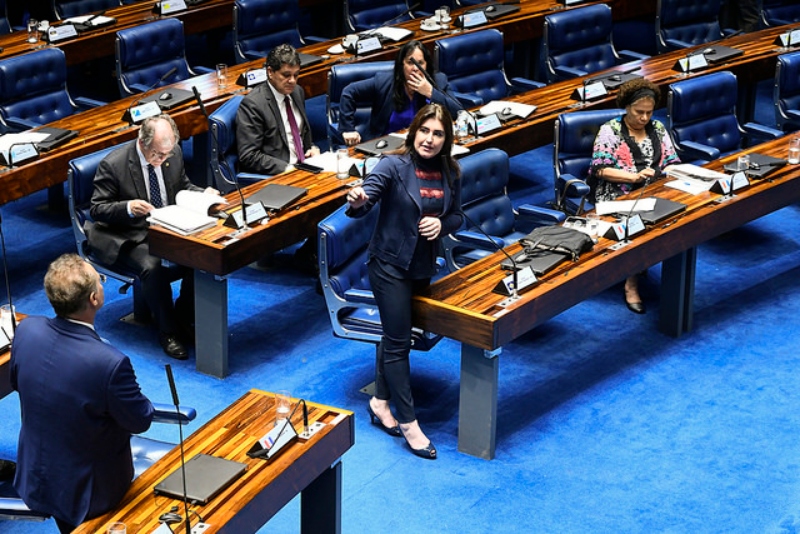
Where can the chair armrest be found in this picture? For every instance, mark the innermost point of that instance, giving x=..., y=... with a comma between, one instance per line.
x=699, y=151
x=759, y=130
x=478, y=240
x=251, y=178
x=568, y=72
x=676, y=44
x=575, y=187
x=630, y=55
x=360, y=296
x=793, y=113
x=88, y=103
x=20, y=125
x=540, y=216
x=166, y=413
x=468, y=100
x=520, y=85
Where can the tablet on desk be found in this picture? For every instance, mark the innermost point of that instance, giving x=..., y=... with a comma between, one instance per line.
x=664, y=209
x=277, y=196
x=378, y=146
x=206, y=477
x=58, y=136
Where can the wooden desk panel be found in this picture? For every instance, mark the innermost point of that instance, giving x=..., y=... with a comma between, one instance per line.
x=5, y=373
x=266, y=486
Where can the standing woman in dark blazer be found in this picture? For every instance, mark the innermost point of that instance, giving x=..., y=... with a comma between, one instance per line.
x=394, y=97
x=420, y=200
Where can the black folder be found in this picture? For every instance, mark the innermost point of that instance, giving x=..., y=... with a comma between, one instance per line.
x=58, y=136
x=541, y=261
x=174, y=97
x=760, y=165
x=306, y=60
x=664, y=209
x=206, y=477
x=720, y=53
x=277, y=196
x=370, y=148
x=500, y=10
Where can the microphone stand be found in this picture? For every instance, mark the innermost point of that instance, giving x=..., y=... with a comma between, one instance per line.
x=166, y=75
x=626, y=240
x=217, y=171
x=8, y=283
x=175, y=401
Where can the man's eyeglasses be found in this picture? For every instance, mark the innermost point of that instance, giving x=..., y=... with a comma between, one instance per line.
x=161, y=155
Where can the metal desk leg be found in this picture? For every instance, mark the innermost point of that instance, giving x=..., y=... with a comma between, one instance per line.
x=321, y=503
x=677, y=293
x=211, y=323
x=477, y=404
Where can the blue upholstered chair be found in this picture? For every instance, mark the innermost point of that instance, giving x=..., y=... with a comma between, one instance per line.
x=224, y=158
x=578, y=42
x=345, y=283
x=74, y=8
x=484, y=199
x=261, y=25
x=787, y=91
x=572, y=156
x=685, y=23
x=80, y=184
x=5, y=24
x=147, y=52
x=145, y=452
x=33, y=91
x=339, y=77
x=702, y=118
x=779, y=12
x=473, y=63
x=360, y=15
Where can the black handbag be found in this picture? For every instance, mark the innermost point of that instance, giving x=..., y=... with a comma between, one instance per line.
x=558, y=239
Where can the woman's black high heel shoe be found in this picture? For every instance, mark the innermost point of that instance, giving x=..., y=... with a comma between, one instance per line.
x=429, y=452
x=375, y=420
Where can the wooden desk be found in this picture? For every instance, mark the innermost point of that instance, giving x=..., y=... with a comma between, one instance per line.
x=99, y=43
x=5, y=373
x=462, y=306
x=212, y=261
x=312, y=469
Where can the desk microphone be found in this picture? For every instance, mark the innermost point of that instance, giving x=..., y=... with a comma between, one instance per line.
x=8, y=283
x=626, y=240
x=175, y=401
x=166, y=75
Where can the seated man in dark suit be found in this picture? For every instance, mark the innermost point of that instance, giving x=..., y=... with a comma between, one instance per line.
x=272, y=129
x=79, y=400
x=130, y=182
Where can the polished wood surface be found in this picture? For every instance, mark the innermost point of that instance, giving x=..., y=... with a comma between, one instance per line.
x=462, y=306
x=99, y=43
x=203, y=251
x=266, y=486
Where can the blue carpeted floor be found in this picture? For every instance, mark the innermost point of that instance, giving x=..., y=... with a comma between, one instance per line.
x=605, y=424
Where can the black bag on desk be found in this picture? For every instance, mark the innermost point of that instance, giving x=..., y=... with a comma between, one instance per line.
x=558, y=239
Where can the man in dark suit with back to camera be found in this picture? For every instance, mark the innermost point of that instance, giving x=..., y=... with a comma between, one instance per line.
x=272, y=129
x=130, y=182
x=80, y=403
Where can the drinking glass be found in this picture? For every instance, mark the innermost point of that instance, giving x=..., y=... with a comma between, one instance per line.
x=743, y=163
x=283, y=405
x=342, y=164
x=33, y=31
x=444, y=17
x=117, y=528
x=222, y=75
x=794, y=151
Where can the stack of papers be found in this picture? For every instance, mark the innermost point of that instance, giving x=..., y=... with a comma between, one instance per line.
x=624, y=206
x=514, y=108
x=390, y=33
x=189, y=214
x=693, y=179
x=91, y=20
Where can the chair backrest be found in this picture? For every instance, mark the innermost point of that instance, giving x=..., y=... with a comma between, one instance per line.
x=787, y=87
x=579, y=39
x=147, y=52
x=224, y=158
x=473, y=63
x=80, y=184
x=691, y=21
x=33, y=87
x=362, y=15
x=261, y=25
x=339, y=77
x=74, y=8
x=484, y=178
x=703, y=110
x=779, y=12
x=5, y=24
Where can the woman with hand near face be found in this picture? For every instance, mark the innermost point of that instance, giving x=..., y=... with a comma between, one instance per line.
x=394, y=97
x=420, y=200
x=630, y=152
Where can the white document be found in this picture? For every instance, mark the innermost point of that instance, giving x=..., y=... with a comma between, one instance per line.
x=516, y=108
x=687, y=170
x=189, y=214
x=95, y=20
x=392, y=33
x=8, y=141
x=690, y=185
x=624, y=206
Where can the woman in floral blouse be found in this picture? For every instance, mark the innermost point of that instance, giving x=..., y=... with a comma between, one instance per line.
x=630, y=152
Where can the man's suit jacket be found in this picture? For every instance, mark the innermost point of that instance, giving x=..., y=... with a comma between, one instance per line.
x=261, y=140
x=80, y=403
x=378, y=92
x=119, y=179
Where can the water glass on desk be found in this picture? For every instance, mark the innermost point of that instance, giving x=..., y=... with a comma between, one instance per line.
x=794, y=151
x=222, y=75
x=283, y=405
x=117, y=528
x=33, y=31
x=442, y=16
x=342, y=164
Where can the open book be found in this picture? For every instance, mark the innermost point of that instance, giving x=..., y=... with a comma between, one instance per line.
x=189, y=214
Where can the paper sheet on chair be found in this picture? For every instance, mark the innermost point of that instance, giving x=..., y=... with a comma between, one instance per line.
x=624, y=206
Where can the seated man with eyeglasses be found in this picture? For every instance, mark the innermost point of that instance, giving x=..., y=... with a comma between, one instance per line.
x=130, y=182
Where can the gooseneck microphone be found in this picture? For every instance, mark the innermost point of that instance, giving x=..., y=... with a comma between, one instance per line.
x=8, y=283
x=166, y=75
x=217, y=171
x=175, y=401
x=626, y=240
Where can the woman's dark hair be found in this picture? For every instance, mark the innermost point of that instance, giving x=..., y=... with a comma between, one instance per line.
x=440, y=112
x=636, y=89
x=400, y=97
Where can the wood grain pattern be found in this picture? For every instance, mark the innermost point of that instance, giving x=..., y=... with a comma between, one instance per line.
x=462, y=306
x=266, y=486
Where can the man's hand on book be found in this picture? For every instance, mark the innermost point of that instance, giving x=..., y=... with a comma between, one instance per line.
x=140, y=208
